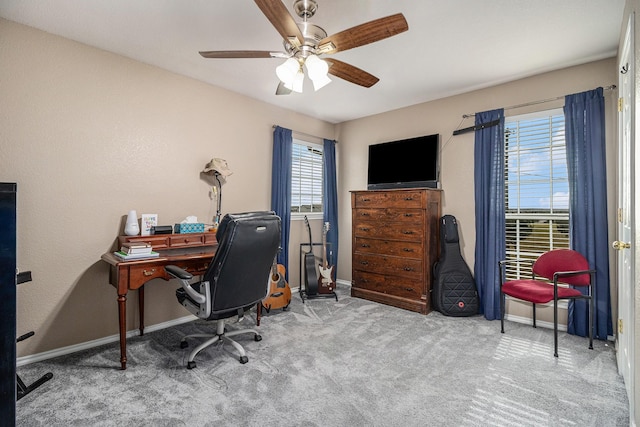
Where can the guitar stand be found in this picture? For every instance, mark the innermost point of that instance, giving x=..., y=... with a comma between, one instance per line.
x=303, y=292
x=22, y=389
x=303, y=295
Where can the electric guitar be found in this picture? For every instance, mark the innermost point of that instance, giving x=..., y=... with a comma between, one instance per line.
x=310, y=277
x=279, y=295
x=326, y=281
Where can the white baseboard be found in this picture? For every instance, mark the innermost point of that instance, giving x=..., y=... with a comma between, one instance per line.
x=32, y=358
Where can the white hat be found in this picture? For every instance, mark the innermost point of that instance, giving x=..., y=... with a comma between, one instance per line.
x=218, y=166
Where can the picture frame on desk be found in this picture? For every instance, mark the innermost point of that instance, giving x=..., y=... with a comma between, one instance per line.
x=148, y=221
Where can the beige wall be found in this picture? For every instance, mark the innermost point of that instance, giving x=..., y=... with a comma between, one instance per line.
x=443, y=117
x=89, y=135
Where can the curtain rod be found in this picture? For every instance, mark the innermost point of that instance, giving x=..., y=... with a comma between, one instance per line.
x=306, y=134
x=526, y=104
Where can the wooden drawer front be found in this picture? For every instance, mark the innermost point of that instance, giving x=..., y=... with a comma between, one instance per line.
x=404, y=199
x=395, y=231
x=391, y=265
x=392, y=285
x=139, y=274
x=210, y=238
x=389, y=247
x=157, y=242
x=186, y=239
x=196, y=268
x=390, y=215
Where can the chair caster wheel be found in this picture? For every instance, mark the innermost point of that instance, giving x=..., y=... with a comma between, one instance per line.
x=257, y=337
x=244, y=359
x=191, y=365
x=184, y=344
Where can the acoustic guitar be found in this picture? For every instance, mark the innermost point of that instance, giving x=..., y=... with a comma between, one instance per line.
x=310, y=276
x=279, y=295
x=326, y=281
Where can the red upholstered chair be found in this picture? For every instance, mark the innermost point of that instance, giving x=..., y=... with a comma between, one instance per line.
x=559, y=266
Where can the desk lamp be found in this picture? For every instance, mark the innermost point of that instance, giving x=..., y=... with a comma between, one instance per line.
x=219, y=170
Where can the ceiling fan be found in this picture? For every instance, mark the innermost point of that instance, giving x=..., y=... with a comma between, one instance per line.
x=304, y=43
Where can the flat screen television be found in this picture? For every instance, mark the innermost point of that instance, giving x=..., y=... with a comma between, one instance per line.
x=407, y=163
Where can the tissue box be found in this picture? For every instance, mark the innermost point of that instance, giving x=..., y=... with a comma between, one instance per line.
x=196, y=227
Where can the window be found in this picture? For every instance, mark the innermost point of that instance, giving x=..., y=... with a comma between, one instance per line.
x=536, y=187
x=306, y=178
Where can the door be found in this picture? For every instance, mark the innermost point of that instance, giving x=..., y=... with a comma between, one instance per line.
x=626, y=216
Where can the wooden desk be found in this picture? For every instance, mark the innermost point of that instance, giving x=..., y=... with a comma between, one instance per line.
x=192, y=252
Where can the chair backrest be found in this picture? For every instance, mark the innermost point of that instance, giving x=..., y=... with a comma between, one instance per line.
x=239, y=273
x=557, y=260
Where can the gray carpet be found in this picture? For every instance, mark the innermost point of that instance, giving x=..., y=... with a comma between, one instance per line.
x=346, y=363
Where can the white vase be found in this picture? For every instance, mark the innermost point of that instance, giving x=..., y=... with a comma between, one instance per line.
x=131, y=227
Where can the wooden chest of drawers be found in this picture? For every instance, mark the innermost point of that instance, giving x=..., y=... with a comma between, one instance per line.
x=395, y=243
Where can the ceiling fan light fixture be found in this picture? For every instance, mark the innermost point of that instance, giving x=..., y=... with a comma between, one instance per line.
x=317, y=70
x=320, y=82
x=287, y=71
x=298, y=81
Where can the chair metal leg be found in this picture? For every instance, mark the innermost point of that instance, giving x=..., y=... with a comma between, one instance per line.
x=534, y=314
x=555, y=327
x=502, y=304
x=591, y=309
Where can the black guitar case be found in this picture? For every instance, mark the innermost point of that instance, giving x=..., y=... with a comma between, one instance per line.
x=454, y=290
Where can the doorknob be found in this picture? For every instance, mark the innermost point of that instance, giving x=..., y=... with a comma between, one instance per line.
x=618, y=245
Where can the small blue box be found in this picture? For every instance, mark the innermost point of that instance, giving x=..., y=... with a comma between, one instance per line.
x=196, y=227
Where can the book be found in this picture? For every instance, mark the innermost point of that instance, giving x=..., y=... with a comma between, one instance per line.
x=136, y=248
x=127, y=257
x=130, y=251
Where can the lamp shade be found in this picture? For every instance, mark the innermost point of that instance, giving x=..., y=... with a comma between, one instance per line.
x=317, y=70
x=287, y=71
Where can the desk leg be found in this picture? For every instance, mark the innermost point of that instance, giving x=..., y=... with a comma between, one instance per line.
x=141, y=308
x=122, y=317
x=258, y=313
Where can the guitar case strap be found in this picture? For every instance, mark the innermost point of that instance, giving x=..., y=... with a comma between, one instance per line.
x=454, y=291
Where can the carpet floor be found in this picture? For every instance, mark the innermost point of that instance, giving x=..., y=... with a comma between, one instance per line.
x=347, y=363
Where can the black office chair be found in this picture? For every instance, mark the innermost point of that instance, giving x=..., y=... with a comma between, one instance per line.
x=235, y=281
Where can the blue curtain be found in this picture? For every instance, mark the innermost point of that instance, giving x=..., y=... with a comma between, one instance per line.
x=281, y=187
x=490, y=219
x=330, y=202
x=586, y=161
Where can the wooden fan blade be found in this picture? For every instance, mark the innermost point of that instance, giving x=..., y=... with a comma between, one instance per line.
x=350, y=73
x=366, y=33
x=238, y=54
x=281, y=90
x=277, y=13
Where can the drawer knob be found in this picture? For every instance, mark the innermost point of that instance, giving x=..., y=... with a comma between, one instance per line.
x=148, y=273
x=366, y=200
x=364, y=263
x=407, y=232
x=408, y=269
x=407, y=249
x=408, y=289
x=408, y=198
x=364, y=213
x=408, y=215
x=364, y=229
x=364, y=245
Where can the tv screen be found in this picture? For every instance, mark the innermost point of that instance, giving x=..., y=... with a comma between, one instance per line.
x=408, y=163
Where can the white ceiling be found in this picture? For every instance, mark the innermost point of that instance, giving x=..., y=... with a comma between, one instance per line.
x=452, y=46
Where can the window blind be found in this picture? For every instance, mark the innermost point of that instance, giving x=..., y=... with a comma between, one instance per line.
x=306, y=177
x=536, y=187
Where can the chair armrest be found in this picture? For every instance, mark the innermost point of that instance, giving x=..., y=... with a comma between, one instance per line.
x=184, y=277
x=560, y=274
x=505, y=262
x=178, y=272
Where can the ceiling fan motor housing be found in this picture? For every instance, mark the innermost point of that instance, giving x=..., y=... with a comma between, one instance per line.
x=305, y=8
